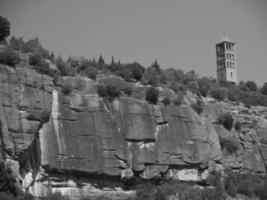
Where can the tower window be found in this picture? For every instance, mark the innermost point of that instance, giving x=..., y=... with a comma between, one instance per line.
x=231, y=74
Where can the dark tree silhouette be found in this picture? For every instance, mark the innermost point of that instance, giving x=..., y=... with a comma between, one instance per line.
x=101, y=60
x=4, y=28
x=264, y=89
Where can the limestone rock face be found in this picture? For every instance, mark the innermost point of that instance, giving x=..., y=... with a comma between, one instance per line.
x=58, y=135
x=25, y=103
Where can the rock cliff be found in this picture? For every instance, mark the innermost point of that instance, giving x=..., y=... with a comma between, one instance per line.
x=81, y=144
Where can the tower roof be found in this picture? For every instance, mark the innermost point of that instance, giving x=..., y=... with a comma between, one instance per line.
x=225, y=39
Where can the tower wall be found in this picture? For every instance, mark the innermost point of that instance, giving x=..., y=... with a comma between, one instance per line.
x=226, y=61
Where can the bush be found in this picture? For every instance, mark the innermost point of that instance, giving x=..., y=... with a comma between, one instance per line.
x=218, y=93
x=152, y=95
x=108, y=90
x=230, y=188
x=230, y=144
x=237, y=126
x=4, y=28
x=91, y=72
x=40, y=65
x=9, y=57
x=262, y=192
x=264, y=89
x=66, y=89
x=226, y=120
x=198, y=107
x=55, y=196
x=166, y=101
x=250, y=185
x=251, y=86
x=153, y=75
x=179, y=100
x=62, y=67
x=204, y=85
x=127, y=89
x=232, y=94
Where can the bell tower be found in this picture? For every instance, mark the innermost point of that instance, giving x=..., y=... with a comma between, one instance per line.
x=226, y=61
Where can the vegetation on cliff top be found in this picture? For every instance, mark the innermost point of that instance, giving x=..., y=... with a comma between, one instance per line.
x=41, y=60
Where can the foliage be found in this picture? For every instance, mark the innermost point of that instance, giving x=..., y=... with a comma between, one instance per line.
x=127, y=89
x=178, y=100
x=152, y=95
x=230, y=188
x=204, y=86
x=66, y=88
x=262, y=192
x=229, y=143
x=55, y=196
x=4, y=28
x=166, y=101
x=232, y=94
x=218, y=93
x=251, y=86
x=237, y=126
x=153, y=75
x=101, y=60
x=63, y=67
x=264, y=89
x=7, y=182
x=250, y=185
x=30, y=46
x=40, y=65
x=9, y=57
x=111, y=90
x=198, y=106
x=178, y=190
x=226, y=120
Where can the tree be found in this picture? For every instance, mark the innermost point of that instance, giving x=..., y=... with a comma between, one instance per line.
x=152, y=95
x=9, y=57
x=4, y=28
x=251, y=85
x=16, y=43
x=264, y=89
x=101, y=60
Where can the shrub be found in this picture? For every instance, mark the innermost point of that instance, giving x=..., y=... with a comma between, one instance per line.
x=108, y=90
x=7, y=182
x=9, y=57
x=262, y=192
x=55, y=196
x=66, y=89
x=218, y=93
x=226, y=120
x=204, y=85
x=198, y=107
x=264, y=89
x=166, y=101
x=237, y=126
x=127, y=89
x=147, y=192
x=4, y=28
x=251, y=86
x=40, y=65
x=230, y=144
x=152, y=95
x=232, y=94
x=91, y=72
x=62, y=66
x=153, y=75
x=179, y=100
x=247, y=184
x=230, y=188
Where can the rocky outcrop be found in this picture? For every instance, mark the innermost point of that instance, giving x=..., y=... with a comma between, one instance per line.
x=68, y=141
